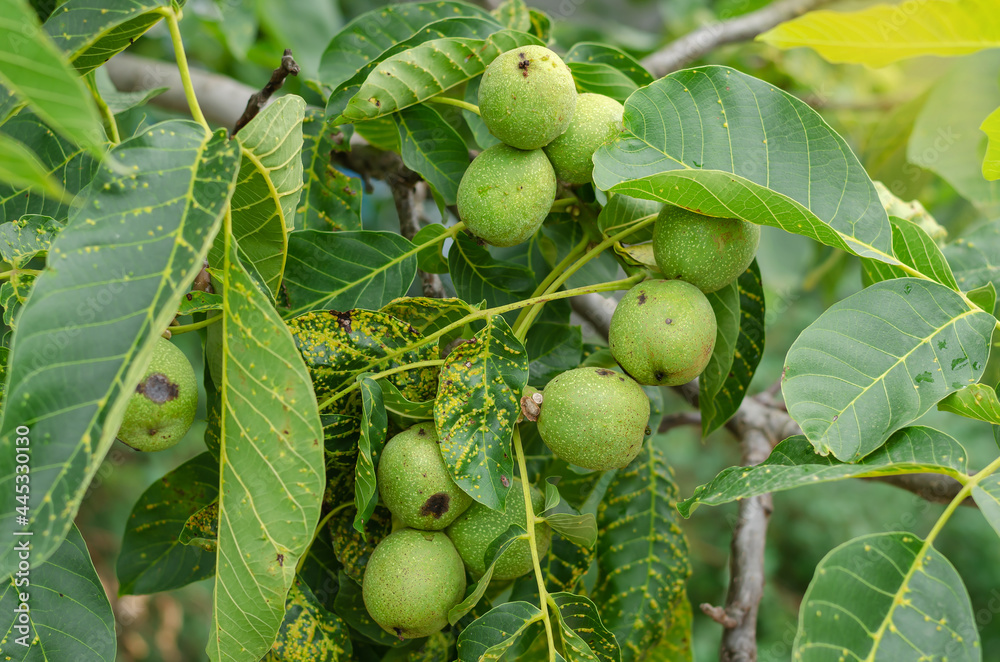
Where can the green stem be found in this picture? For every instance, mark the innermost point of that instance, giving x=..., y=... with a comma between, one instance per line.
x=184, y=328
x=562, y=204
x=110, y=125
x=182, y=66
x=813, y=277
x=611, y=286
x=449, y=101
x=319, y=527
x=529, y=512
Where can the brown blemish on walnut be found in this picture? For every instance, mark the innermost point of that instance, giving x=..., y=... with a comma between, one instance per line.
x=642, y=298
x=158, y=388
x=604, y=372
x=436, y=505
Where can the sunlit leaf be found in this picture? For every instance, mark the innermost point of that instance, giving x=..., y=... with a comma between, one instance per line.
x=991, y=162
x=914, y=248
x=513, y=14
x=987, y=496
x=911, y=343
x=977, y=401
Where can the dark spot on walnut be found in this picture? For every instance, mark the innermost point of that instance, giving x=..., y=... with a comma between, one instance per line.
x=658, y=376
x=604, y=372
x=422, y=432
x=436, y=505
x=669, y=321
x=399, y=633
x=642, y=298
x=158, y=388
x=523, y=65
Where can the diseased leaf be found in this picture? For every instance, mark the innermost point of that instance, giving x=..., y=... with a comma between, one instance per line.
x=353, y=549
x=642, y=554
x=882, y=34
x=691, y=139
x=267, y=191
x=344, y=270
x=911, y=343
x=433, y=149
x=331, y=200
x=68, y=614
x=720, y=396
x=874, y=597
x=26, y=238
x=977, y=401
x=490, y=635
x=309, y=631
x=428, y=315
x=676, y=643
x=272, y=469
x=566, y=564
x=794, y=463
x=476, y=275
x=914, y=248
x=513, y=14
x=151, y=558
x=197, y=301
x=118, y=272
x=584, y=636
x=374, y=424
x=202, y=528
x=477, y=405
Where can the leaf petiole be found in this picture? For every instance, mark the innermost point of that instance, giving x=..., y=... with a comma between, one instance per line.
x=171, y=17
x=458, y=103
x=194, y=326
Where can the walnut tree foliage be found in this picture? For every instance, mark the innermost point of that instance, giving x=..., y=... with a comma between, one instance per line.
x=320, y=343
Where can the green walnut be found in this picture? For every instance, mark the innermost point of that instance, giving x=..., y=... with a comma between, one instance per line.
x=414, y=483
x=663, y=332
x=527, y=97
x=597, y=120
x=411, y=581
x=161, y=410
x=594, y=418
x=478, y=526
x=707, y=252
x=505, y=194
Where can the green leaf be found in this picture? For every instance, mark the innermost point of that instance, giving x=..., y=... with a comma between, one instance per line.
x=913, y=247
x=984, y=296
x=541, y=25
x=987, y=496
x=202, y=528
x=418, y=73
x=374, y=425
x=977, y=401
x=428, y=315
x=883, y=34
x=70, y=617
x=34, y=69
x=350, y=606
x=331, y=200
x=584, y=636
x=119, y=102
x=878, y=598
x=20, y=168
x=991, y=162
x=477, y=275
x=490, y=635
x=433, y=149
x=337, y=347
x=946, y=139
x=722, y=392
x=553, y=349
x=367, y=37
x=272, y=466
x=642, y=555
x=69, y=166
x=576, y=528
x=476, y=124
x=431, y=259
x=118, y=272
x=911, y=343
x=351, y=547
x=690, y=140
x=467, y=27
x=513, y=14
x=477, y=405
x=566, y=564
x=24, y=239
x=622, y=211
x=197, y=301
x=676, y=643
x=310, y=632
x=91, y=32
x=344, y=270
x=973, y=257
x=794, y=463
x=404, y=411
x=151, y=558
x=726, y=304
x=267, y=191
x=494, y=551
x=606, y=70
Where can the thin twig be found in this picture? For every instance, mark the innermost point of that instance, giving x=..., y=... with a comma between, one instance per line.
x=403, y=183
x=679, y=419
x=707, y=38
x=289, y=67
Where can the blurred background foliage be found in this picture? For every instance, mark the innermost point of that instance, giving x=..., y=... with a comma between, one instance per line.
x=915, y=128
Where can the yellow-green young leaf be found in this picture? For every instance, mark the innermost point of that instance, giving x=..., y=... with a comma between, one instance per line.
x=91, y=32
x=977, y=401
x=70, y=617
x=886, y=597
x=991, y=163
x=272, y=470
x=642, y=554
x=911, y=342
x=20, y=168
x=32, y=66
x=886, y=33
x=309, y=632
x=794, y=463
x=117, y=273
x=477, y=405
x=267, y=191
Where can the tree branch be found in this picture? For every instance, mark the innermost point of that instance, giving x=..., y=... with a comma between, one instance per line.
x=403, y=185
x=289, y=67
x=700, y=42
